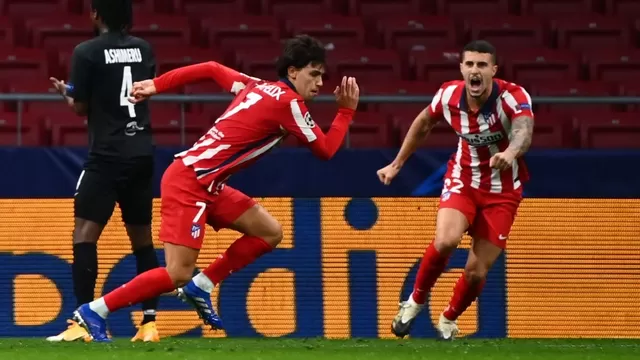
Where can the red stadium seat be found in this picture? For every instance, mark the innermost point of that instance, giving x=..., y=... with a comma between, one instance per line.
x=623, y=8
x=535, y=65
x=30, y=85
x=383, y=8
x=229, y=32
x=203, y=88
x=507, y=32
x=259, y=61
x=7, y=36
x=556, y=7
x=29, y=131
x=139, y=6
x=59, y=32
x=406, y=32
x=330, y=29
x=20, y=63
x=631, y=89
x=34, y=7
x=214, y=109
x=163, y=30
x=202, y=8
x=436, y=66
x=68, y=129
x=591, y=32
x=400, y=87
x=291, y=8
x=169, y=58
x=615, y=66
x=618, y=130
x=441, y=136
x=554, y=129
x=473, y=7
x=370, y=130
x=167, y=128
x=362, y=63
x=401, y=113
x=578, y=88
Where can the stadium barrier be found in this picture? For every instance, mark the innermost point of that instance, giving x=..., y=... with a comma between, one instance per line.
x=182, y=99
x=571, y=270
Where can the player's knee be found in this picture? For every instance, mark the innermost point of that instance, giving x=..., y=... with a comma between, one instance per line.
x=86, y=231
x=273, y=236
x=447, y=240
x=475, y=273
x=180, y=274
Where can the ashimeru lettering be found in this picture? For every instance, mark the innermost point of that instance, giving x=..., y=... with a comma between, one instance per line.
x=122, y=56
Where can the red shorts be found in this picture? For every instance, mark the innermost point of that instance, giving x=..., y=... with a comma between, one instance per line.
x=491, y=215
x=187, y=206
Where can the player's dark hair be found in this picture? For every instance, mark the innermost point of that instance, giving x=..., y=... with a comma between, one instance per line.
x=116, y=15
x=299, y=52
x=480, y=46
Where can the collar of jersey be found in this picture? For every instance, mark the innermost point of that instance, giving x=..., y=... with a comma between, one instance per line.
x=487, y=107
x=289, y=84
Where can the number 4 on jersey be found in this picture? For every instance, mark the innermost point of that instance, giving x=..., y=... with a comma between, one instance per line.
x=127, y=85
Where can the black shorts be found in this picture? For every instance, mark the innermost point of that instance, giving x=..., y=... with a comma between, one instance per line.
x=104, y=182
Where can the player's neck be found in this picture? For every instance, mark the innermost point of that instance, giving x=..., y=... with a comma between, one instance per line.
x=475, y=104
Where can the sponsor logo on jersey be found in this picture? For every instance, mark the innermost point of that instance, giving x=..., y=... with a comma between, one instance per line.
x=482, y=139
x=132, y=128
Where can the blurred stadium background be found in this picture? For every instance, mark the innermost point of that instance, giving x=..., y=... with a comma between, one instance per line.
x=352, y=246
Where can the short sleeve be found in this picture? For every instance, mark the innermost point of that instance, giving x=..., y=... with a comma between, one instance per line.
x=435, y=108
x=80, y=79
x=517, y=102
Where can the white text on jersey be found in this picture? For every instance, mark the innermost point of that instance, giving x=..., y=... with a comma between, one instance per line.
x=122, y=56
x=271, y=90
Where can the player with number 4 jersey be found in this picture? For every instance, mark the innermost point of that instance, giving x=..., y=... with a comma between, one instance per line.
x=483, y=183
x=194, y=191
x=119, y=168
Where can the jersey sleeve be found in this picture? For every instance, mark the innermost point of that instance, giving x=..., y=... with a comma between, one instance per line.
x=230, y=80
x=80, y=79
x=517, y=102
x=434, y=110
x=298, y=122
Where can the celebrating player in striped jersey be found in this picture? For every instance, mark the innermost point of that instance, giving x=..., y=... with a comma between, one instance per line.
x=483, y=183
x=194, y=191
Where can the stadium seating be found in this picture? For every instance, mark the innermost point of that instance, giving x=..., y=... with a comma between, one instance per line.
x=553, y=48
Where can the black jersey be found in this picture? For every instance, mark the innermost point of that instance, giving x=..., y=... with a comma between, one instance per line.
x=103, y=70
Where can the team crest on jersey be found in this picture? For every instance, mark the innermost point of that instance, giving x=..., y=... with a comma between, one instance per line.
x=489, y=118
x=308, y=120
x=196, y=229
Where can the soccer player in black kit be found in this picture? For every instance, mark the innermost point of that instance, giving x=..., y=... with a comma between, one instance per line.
x=119, y=167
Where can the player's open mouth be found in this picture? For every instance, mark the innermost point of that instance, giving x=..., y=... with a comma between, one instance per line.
x=475, y=83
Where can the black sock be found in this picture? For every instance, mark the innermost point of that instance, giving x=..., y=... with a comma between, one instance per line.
x=146, y=260
x=84, y=271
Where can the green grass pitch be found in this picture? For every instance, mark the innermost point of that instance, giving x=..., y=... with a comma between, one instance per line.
x=312, y=349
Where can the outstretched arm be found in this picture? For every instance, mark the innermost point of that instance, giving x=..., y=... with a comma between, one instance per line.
x=418, y=132
x=229, y=79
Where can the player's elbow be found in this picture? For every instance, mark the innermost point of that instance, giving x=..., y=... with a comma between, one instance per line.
x=323, y=155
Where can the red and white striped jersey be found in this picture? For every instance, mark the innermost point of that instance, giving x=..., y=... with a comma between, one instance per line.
x=260, y=116
x=482, y=134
